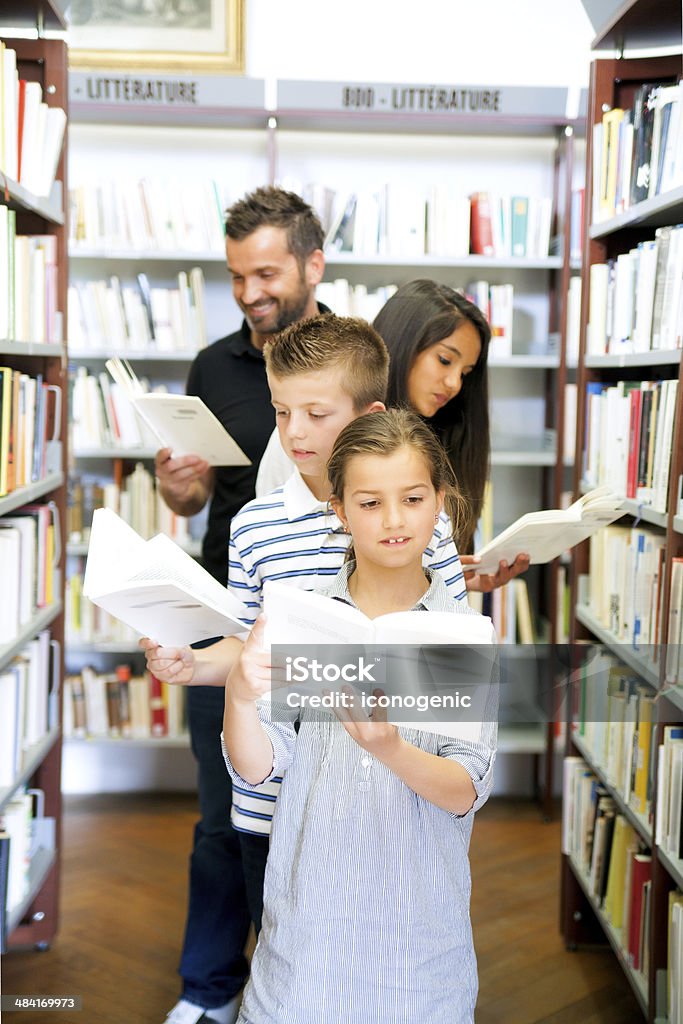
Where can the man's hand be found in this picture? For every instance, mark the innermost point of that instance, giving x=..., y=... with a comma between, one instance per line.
x=185, y=482
x=485, y=582
x=170, y=664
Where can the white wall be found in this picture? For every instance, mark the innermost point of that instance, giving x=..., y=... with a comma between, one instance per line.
x=505, y=42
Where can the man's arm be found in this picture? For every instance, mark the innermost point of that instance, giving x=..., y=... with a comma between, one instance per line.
x=186, y=483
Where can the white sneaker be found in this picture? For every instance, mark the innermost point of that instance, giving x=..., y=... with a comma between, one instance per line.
x=185, y=1013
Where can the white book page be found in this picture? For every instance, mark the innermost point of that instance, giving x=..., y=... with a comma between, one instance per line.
x=296, y=616
x=114, y=549
x=187, y=426
x=167, y=613
x=169, y=562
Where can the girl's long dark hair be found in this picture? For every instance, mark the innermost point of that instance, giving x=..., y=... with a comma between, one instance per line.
x=417, y=316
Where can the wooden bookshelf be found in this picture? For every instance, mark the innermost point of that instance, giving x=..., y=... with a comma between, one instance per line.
x=613, y=84
x=35, y=921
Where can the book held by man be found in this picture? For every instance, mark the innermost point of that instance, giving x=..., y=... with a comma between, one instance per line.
x=182, y=423
x=155, y=587
x=545, y=535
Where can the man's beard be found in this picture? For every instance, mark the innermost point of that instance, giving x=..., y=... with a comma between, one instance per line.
x=288, y=312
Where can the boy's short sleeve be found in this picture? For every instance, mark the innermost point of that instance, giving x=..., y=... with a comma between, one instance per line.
x=242, y=583
x=442, y=555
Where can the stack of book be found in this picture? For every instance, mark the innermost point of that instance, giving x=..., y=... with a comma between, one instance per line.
x=108, y=317
x=30, y=705
x=29, y=553
x=30, y=418
x=127, y=215
x=31, y=132
x=354, y=300
x=636, y=300
x=638, y=152
x=28, y=284
x=121, y=704
x=629, y=438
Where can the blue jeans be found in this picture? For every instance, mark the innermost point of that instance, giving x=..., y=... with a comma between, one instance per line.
x=213, y=966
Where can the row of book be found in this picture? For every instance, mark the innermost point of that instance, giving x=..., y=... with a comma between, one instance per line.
x=103, y=416
x=638, y=152
x=629, y=438
x=28, y=284
x=611, y=858
x=29, y=554
x=616, y=721
x=135, y=499
x=636, y=300
x=23, y=832
x=31, y=132
x=120, y=704
x=106, y=316
x=401, y=221
x=625, y=586
x=29, y=702
x=151, y=214
x=30, y=419
x=669, y=816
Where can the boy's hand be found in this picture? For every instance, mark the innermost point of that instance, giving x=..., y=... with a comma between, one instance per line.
x=485, y=582
x=371, y=732
x=177, y=476
x=250, y=676
x=170, y=664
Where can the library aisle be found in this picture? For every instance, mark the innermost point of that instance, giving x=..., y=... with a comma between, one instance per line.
x=121, y=954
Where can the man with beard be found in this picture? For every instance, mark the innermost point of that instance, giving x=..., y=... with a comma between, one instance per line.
x=274, y=252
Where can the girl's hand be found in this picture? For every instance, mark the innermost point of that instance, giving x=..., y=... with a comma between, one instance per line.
x=485, y=582
x=170, y=664
x=371, y=732
x=250, y=676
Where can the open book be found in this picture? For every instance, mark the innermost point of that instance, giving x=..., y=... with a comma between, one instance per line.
x=155, y=587
x=416, y=658
x=182, y=423
x=545, y=535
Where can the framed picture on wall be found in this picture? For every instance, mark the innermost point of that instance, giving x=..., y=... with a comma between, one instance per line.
x=157, y=35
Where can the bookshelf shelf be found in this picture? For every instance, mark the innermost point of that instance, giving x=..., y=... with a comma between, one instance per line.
x=638, y=821
x=40, y=621
x=138, y=742
x=115, y=453
x=25, y=495
x=133, y=356
x=674, y=693
x=678, y=524
x=522, y=457
x=648, y=671
x=80, y=548
x=640, y=25
x=32, y=760
x=522, y=739
x=342, y=259
x=637, y=981
x=50, y=209
x=145, y=255
x=634, y=508
x=42, y=14
x=635, y=359
x=33, y=348
x=673, y=865
x=651, y=213
x=524, y=362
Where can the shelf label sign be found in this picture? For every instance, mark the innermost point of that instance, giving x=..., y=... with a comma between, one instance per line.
x=164, y=91
x=427, y=100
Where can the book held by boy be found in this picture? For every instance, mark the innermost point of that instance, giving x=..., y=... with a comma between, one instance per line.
x=434, y=669
x=155, y=587
x=545, y=535
x=182, y=423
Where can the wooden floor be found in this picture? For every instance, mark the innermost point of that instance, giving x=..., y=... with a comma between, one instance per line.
x=123, y=911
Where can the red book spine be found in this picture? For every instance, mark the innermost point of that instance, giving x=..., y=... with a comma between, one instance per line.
x=157, y=706
x=642, y=871
x=481, y=229
x=636, y=398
